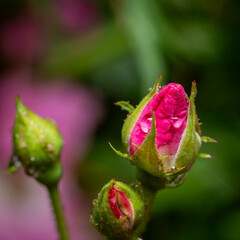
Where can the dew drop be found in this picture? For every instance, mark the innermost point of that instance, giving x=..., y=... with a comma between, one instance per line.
x=24, y=113
x=174, y=118
x=173, y=167
x=150, y=89
x=17, y=164
x=144, y=126
x=138, y=133
x=50, y=147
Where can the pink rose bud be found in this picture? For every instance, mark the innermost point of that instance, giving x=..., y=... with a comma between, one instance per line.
x=118, y=210
x=162, y=135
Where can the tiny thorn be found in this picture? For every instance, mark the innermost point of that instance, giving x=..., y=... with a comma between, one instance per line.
x=204, y=155
x=165, y=156
x=206, y=139
x=124, y=155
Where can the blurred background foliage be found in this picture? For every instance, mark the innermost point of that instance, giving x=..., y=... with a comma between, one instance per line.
x=117, y=48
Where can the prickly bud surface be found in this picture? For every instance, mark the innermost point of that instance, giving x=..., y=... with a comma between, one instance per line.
x=37, y=145
x=118, y=210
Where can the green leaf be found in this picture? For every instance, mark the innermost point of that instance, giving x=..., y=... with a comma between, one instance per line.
x=125, y=106
x=206, y=139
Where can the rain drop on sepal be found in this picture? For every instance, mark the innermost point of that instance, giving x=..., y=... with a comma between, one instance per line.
x=118, y=211
x=37, y=145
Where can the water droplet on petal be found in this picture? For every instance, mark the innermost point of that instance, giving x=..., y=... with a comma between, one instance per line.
x=144, y=127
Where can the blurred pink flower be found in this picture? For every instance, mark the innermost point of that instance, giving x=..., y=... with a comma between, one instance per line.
x=77, y=15
x=25, y=211
x=21, y=39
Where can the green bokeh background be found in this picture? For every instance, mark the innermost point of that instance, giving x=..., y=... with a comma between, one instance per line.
x=120, y=58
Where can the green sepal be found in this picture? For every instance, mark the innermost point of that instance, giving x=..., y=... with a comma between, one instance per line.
x=206, y=139
x=132, y=118
x=125, y=106
x=124, y=155
x=146, y=156
x=106, y=222
x=51, y=175
x=191, y=141
x=176, y=177
x=204, y=155
x=176, y=171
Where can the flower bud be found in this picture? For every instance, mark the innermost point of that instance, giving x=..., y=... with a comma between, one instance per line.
x=37, y=145
x=162, y=135
x=118, y=211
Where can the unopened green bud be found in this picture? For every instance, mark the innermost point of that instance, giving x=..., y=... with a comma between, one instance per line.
x=118, y=211
x=37, y=145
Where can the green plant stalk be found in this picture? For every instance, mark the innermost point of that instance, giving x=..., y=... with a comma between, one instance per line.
x=58, y=212
x=150, y=185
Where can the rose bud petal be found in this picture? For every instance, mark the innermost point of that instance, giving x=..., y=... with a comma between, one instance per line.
x=162, y=135
x=37, y=144
x=118, y=211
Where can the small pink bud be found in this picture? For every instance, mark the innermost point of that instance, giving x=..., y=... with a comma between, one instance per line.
x=118, y=210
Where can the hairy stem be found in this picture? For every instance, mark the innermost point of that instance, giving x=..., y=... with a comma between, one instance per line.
x=150, y=185
x=58, y=212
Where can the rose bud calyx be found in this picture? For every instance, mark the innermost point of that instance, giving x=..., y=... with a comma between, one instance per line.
x=162, y=135
x=118, y=210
